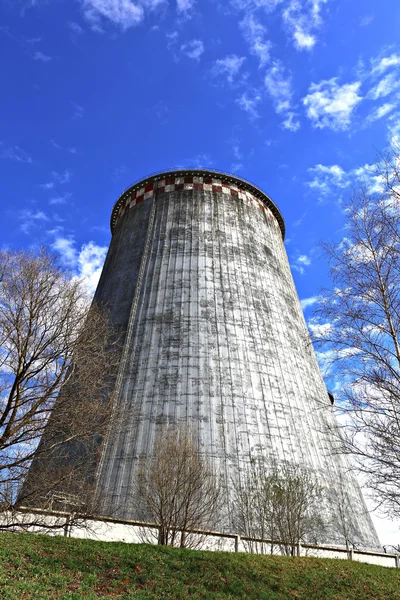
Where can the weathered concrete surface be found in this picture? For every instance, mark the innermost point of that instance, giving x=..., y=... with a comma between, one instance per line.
x=217, y=340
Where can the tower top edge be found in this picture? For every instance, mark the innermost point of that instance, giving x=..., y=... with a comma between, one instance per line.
x=200, y=172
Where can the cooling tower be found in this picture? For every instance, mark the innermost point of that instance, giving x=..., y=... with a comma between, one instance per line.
x=198, y=280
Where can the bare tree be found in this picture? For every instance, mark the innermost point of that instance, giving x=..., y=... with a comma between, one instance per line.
x=55, y=353
x=255, y=516
x=298, y=505
x=279, y=503
x=177, y=489
x=344, y=511
x=357, y=325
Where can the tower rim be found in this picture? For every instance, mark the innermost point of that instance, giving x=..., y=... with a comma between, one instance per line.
x=199, y=172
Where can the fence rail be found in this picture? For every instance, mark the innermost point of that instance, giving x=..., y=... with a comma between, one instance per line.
x=112, y=529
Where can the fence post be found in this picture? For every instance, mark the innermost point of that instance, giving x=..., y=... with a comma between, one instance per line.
x=351, y=554
x=237, y=542
x=298, y=548
x=66, y=526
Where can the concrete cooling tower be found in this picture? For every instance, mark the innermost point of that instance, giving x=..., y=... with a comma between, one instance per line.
x=198, y=280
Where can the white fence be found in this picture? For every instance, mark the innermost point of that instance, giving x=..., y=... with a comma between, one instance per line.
x=134, y=532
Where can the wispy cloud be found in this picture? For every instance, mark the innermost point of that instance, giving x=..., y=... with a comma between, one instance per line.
x=59, y=199
x=327, y=179
x=389, y=84
x=279, y=88
x=78, y=111
x=57, y=178
x=228, y=67
x=57, y=146
x=62, y=178
x=307, y=302
x=14, y=153
x=301, y=262
x=381, y=111
x=29, y=218
x=303, y=19
x=382, y=64
x=367, y=20
x=267, y=5
x=249, y=102
x=122, y=13
x=75, y=28
x=193, y=49
x=42, y=57
x=238, y=155
x=324, y=177
x=90, y=263
x=184, y=6
x=291, y=122
x=330, y=105
x=86, y=263
x=66, y=249
x=255, y=35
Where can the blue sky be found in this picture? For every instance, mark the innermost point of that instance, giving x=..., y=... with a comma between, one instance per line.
x=294, y=95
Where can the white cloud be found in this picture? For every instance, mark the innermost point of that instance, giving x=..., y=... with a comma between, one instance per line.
x=59, y=199
x=249, y=102
x=14, y=153
x=279, y=88
x=301, y=262
x=57, y=146
x=334, y=171
x=78, y=111
x=303, y=259
x=172, y=39
x=302, y=19
x=123, y=13
x=29, y=218
x=229, y=66
x=394, y=128
x=321, y=330
x=331, y=105
x=367, y=20
x=380, y=65
x=303, y=40
x=42, y=57
x=62, y=178
x=236, y=152
x=90, y=263
x=184, y=5
x=291, y=122
x=193, y=49
x=254, y=33
x=381, y=111
x=75, y=28
x=85, y=263
x=386, y=86
x=66, y=248
x=47, y=186
x=327, y=178
x=306, y=302
x=268, y=5
x=366, y=174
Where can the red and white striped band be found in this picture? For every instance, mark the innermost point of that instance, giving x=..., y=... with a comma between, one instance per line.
x=174, y=184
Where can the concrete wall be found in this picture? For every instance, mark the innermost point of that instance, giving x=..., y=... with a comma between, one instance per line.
x=198, y=277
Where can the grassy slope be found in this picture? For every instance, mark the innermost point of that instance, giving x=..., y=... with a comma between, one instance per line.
x=43, y=567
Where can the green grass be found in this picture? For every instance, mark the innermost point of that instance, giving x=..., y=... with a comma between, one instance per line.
x=41, y=567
